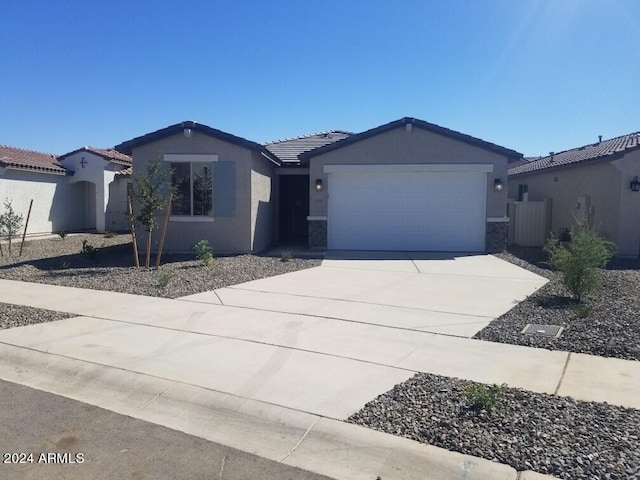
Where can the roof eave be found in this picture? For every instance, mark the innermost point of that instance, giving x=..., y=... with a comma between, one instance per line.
x=128, y=146
x=511, y=154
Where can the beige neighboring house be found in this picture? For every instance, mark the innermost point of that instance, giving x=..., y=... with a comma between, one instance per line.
x=406, y=185
x=597, y=182
x=79, y=191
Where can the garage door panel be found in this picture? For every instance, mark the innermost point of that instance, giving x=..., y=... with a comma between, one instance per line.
x=416, y=211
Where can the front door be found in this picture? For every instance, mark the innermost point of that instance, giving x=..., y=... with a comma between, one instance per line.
x=294, y=208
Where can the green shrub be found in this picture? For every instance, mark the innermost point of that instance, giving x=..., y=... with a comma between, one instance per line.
x=164, y=278
x=109, y=234
x=203, y=252
x=484, y=397
x=62, y=234
x=89, y=250
x=580, y=260
x=581, y=310
x=286, y=255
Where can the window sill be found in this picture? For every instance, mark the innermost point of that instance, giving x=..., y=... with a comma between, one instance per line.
x=191, y=219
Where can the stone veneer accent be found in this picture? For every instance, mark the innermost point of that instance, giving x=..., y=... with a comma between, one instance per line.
x=496, y=236
x=317, y=234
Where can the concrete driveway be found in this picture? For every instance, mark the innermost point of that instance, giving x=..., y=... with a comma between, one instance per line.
x=430, y=292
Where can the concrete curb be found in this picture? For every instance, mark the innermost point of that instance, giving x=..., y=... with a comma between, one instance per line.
x=310, y=442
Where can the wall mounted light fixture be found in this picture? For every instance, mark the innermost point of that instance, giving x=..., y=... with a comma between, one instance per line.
x=497, y=185
x=319, y=185
x=635, y=185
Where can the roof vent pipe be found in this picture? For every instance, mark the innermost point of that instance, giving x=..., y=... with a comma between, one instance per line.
x=599, y=138
x=551, y=155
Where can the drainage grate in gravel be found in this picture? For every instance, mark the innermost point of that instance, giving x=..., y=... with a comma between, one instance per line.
x=543, y=330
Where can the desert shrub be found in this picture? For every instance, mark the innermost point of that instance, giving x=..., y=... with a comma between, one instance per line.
x=10, y=223
x=62, y=234
x=286, y=255
x=580, y=260
x=164, y=278
x=203, y=252
x=484, y=397
x=89, y=250
x=581, y=310
x=109, y=234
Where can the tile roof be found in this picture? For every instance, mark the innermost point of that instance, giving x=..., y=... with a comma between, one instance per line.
x=606, y=149
x=29, y=160
x=289, y=149
x=415, y=122
x=108, y=154
x=125, y=171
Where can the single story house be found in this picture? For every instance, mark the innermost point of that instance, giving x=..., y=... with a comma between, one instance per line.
x=406, y=185
x=598, y=183
x=81, y=190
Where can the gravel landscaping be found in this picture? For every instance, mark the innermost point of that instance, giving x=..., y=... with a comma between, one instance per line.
x=59, y=261
x=611, y=328
x=529, y=431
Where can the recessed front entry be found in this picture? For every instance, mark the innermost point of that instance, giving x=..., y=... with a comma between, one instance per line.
x=413, y=211
x=294, y=208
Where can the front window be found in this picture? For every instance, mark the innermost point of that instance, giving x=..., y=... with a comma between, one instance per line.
x=193, y=183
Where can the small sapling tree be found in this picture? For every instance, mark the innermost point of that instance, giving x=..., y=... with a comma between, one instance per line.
x=10, y=223
x=150, y=191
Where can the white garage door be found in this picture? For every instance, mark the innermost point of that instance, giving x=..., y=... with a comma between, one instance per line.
x=417, y=211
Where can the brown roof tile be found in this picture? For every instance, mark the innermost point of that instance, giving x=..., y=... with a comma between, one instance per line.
x=606, y=149
x=29, y=160
x=108, y=154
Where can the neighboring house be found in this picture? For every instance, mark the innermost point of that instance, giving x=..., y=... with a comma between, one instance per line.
x=104, y=175
x=594, y=183
x=406, y=185
x=82, y=190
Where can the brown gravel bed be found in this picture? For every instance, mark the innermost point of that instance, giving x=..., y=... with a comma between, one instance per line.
x=611, y=329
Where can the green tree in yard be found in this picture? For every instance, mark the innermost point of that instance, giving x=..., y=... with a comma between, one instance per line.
x=10, y=223
x=580, y=260
x=150, y=191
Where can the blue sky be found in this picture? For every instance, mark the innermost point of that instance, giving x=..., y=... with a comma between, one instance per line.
x=530, y=75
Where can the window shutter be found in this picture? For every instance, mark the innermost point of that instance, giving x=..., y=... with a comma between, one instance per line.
x=224, y=189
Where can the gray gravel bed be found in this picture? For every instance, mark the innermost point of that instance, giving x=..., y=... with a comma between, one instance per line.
x=529, y=431
x=611, y=329
x=58, y=261
x=18, y=316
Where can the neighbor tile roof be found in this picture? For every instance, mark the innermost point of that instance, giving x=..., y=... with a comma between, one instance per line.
x=606, y=149
x=108, y=154
x=125, y=171
x=29, y=160
x=289, y=150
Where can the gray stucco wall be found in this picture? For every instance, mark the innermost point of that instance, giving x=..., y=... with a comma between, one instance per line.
x=401, y=147
x=225, y=234
x=262, y=204
x=615, y=209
